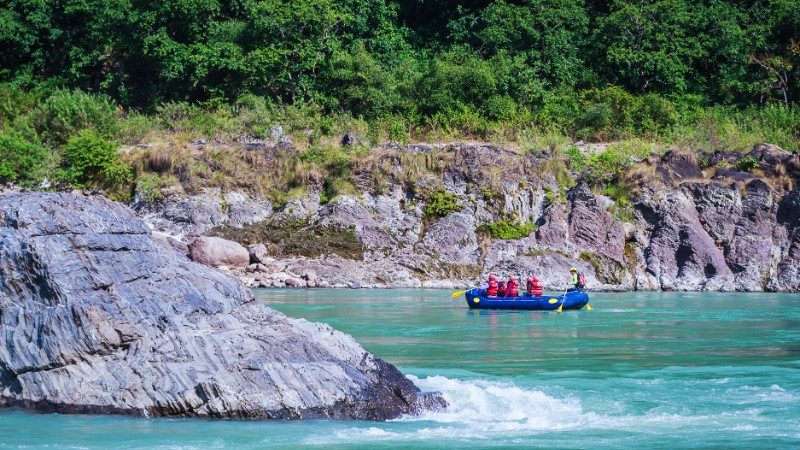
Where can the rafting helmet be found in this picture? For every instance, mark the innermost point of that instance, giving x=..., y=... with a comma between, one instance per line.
x=572, y=269
x=492, y=277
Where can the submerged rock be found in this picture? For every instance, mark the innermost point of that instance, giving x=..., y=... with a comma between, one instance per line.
x=96, y=317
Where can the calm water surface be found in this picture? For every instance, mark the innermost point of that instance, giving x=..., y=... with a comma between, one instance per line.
x=640, y=370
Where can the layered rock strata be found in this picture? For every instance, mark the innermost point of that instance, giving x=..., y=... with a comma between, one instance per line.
x=98, y=317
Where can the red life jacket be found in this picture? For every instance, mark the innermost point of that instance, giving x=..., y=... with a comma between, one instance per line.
x=513, y=287
x=492, y=289
x=581, y=281
x=536, y=288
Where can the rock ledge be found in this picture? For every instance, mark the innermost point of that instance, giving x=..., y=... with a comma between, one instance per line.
x=96, y=317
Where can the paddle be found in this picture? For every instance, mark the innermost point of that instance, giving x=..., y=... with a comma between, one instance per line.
x=457, y=294
x=563, y=299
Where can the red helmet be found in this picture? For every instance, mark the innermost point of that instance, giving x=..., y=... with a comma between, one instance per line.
x=535, y=278
x=512, y=277
x=492, y=277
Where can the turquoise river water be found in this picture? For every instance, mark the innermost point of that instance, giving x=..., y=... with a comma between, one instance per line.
x=678, y=370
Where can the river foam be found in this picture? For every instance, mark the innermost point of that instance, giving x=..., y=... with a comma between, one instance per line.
x=489, y=409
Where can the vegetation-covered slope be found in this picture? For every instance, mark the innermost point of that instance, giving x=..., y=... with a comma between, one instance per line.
x=80, y=78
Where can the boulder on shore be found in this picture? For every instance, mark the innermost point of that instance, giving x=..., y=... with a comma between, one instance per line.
x=215, y=251
x=258, y=254
x=96, y=317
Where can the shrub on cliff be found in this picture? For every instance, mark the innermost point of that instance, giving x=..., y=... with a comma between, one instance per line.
x=91, y=161
x=611, y=164
x=440, y=204
x=509, y=229
x=747, y=164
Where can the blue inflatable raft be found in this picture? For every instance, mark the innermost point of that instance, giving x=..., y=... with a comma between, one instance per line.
x=477, y=298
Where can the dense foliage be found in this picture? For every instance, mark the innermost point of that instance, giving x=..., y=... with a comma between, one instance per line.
x=78, y=76
x=409, y=57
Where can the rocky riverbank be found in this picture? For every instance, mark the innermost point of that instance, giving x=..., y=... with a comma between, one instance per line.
x=686, y=226
x=96, y=317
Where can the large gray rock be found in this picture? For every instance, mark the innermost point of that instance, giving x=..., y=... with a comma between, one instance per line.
x=215, y=251
x=787, y=277
x=681, y=255
x=96, y=317
x=179, y=215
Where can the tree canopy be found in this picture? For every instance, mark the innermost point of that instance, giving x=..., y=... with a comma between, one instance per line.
x=408, y=57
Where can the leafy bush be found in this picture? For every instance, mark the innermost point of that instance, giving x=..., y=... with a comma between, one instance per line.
x=619, y=193
x=209, y=122
x=14, y=103
x=500, y=107
x=606, y=113
x=91, y=161
x=455, y=80
x=22, y=161
x=336, y=161
x=440, y=204
x=397, y=132
x=66, y=112
x=654, y=115
x=135, y=127
x=609, y=165
x=509, y=229
x=335, y=187
x=747, y=164
x=148, y=188
x=576, y=158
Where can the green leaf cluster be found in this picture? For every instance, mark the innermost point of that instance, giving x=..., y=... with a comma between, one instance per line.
x=440, y=204
x=747, y=164
x=509, y=229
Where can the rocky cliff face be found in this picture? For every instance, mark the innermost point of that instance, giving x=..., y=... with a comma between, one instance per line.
x=96, y=317
x=686, y=229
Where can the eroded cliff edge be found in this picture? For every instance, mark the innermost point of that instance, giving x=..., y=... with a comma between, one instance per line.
x=687, y=225
x=96, y=317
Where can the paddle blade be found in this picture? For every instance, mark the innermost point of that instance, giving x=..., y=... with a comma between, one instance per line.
x=588, y=307
x=457, y=294
x=560, y=308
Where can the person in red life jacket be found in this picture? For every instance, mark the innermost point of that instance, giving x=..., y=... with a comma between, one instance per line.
x=501, y=289
x=534, y=286
x=491, y=290
x=512, y=289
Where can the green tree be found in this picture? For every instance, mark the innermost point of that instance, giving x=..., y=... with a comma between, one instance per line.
x=647, y=44
x=545, y=34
